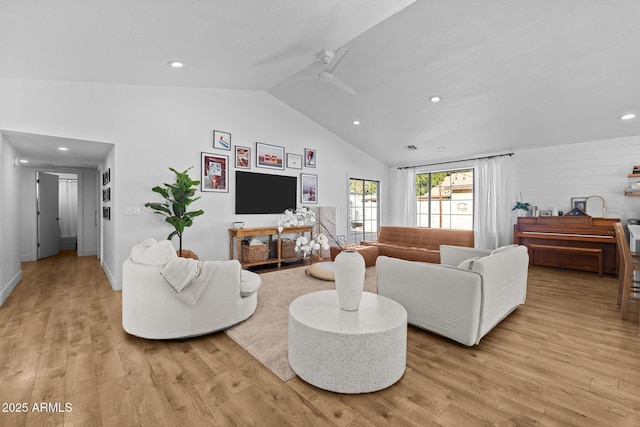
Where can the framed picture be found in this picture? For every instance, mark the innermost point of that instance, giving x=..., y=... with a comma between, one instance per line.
x=579, y=202
x=294, y=161
x=243, y=157
x=106, y=177
x=309, y=188
x=221, y=140
x=309, y=158
x=106, y=194
x=545, y=213
x=106, y=213
x=341, y=240
x=215, y=173
x=269, y=156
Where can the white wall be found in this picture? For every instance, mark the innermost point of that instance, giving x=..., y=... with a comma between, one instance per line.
x=10, y=272
x=550, y=177
x=154, y=128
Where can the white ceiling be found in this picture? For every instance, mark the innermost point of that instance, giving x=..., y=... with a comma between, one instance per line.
x=512, y=75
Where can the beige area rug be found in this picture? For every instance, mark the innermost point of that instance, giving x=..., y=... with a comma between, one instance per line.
x=264, y=335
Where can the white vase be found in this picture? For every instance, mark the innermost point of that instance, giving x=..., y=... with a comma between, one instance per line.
x=349, y=271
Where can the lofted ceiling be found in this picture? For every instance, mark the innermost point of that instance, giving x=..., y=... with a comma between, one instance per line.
x=511, y=75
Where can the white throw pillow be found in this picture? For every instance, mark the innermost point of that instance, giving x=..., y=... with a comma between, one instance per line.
x=152, y=252
x=467, y=264
x=503, y=249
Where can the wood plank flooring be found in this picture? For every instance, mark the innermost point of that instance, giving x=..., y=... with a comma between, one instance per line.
x=564, y=358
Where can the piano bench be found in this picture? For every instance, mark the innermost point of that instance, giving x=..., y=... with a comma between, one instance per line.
x=591, y=252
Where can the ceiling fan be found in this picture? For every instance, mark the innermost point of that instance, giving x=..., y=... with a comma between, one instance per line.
x=330, y=61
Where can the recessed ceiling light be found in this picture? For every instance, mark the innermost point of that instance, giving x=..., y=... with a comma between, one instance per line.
x=440, y=149
x=356, y=122
x=411, y=147
x=175, y=64
x=435, y=99
x=627, y=116
x=24, y=161
x=63, y=149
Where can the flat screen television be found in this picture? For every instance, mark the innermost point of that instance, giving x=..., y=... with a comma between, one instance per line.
x=261, y=193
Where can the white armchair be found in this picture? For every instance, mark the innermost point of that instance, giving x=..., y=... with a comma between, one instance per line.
x=151, y=309
x=463, y=297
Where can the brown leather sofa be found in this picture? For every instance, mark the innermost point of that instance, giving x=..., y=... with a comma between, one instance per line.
x=418, y=244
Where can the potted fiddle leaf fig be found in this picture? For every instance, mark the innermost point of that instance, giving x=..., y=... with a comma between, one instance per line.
x=178, y=196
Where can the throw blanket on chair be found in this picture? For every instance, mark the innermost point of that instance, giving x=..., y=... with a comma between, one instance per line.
x=189, y=277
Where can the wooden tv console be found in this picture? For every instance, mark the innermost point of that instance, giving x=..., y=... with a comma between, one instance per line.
x=237, y=234
x=572, y=242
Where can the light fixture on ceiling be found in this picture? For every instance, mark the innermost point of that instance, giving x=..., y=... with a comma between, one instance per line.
x=411, y=147
x=175, y=64
x=440, y=149
x=24, y=161
x=435, y=99
x=356, y=122
x=63, y=149
x=627, y=116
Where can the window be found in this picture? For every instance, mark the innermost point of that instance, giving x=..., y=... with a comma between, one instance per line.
x=363, y=210
x=445, y=199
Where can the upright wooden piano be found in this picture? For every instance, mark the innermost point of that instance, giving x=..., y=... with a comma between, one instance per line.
x=573, y=242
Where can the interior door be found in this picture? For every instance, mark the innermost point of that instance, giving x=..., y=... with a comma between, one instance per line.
x=48, y=227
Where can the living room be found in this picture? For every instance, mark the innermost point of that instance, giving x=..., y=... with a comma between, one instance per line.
x=151, y=127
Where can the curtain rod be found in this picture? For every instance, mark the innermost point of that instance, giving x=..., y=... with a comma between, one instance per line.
x=455, y=161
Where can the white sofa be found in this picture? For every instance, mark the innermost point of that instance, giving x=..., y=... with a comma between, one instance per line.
x=151, y=309
x=463, y=297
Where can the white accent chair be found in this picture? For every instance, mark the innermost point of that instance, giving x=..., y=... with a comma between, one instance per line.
x=151, y=310
x=462, y=298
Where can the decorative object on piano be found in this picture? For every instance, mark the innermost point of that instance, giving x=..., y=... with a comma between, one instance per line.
x=238, y=224
x=595, y=206
x=521, y=207
x=576, y=212
x=579, y=202
x=545, y=212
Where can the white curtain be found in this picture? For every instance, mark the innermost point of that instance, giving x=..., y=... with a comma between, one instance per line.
x=492, y=220
x=68, y=207
x=408, y=201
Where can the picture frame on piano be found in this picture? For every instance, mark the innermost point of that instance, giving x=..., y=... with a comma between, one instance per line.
x=579, y=202
x=545, y=212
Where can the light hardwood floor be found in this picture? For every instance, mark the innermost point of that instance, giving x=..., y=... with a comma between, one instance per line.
x=564, y=358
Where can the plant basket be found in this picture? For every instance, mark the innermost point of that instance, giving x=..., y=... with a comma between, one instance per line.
x=254, y=253
x=186, y=253
x=288, y=249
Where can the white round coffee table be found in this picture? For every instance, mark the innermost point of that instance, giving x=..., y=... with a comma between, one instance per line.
x=347, y=351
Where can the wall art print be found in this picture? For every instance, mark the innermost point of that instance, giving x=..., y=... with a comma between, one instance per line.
x=243, y=157
x=215, y=173
x=309, y=188
x=294, y=161
x=310, y=158
x=269, y=156
x=221, y=140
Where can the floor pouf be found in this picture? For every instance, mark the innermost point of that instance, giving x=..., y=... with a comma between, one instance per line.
x=322, y=271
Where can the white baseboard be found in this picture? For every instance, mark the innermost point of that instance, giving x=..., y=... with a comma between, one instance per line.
x=6, y=291
x=116, y=285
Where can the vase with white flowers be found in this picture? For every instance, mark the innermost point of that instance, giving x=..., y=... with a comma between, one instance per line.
x=305, y=216
x=349, y=268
